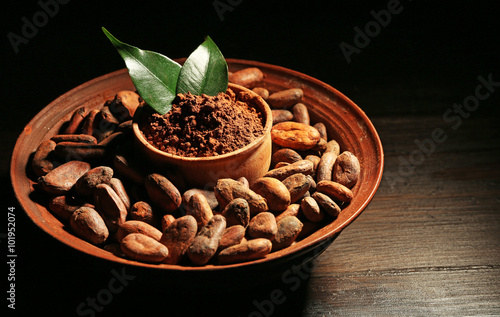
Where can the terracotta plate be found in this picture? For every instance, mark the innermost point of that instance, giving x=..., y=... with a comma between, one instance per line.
x=345, y=121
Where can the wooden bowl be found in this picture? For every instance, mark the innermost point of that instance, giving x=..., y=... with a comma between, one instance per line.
x=345, y=122
x=251, y=161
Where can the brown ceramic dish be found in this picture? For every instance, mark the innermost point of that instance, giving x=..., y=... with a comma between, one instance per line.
x=345, y=122
x=251, y=161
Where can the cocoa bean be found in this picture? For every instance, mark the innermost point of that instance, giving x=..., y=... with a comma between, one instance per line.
x=315, y=159
x=333, y=146
x=232, y=236
x=76, y=119
x=247, y=77
x=64, y=206
x=346, y=169
x=163, y=193
x=320, y=126
x=61, y=179
x=301, y=114
x=244, y=181
x=262, y=225
x=124, y=105
x=124, y=167
x=105, y=124
x=311, y=210
x=98, y=175
x=263, y=92
x=335, y=190
x=325, y=166
x=120, y=190
x=89, y=225
x=228, y=189
x=295, y=135
x=199, y=208
x=327, y=204
x=142, y=248
x=289, y=228
x=297, y=184
x=281, y=164
x=80, y=151
x=209, y=195
x=143, y=211
x=285, y=155
x=110, y=206
x=246, y=251
x=285, y=98
x=166, y=220
x=237, y=212
x=281, y=115
x=305, y=167
x=205, y=244
x=40, y=164
x=88, y=123
x=178, y=236
x=292, y=210
x=135, y=226
x=77, y=138
x=114, y=140
x=273, y=191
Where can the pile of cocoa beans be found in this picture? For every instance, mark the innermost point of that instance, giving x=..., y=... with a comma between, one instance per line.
x=92, y=181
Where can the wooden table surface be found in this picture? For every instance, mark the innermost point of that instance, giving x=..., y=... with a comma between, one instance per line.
x=428, y=244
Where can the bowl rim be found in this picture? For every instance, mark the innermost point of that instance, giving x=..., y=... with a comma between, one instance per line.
x=265, y=109
x=298, y=248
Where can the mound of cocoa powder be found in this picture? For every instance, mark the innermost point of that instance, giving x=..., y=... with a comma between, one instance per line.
x=200, y=126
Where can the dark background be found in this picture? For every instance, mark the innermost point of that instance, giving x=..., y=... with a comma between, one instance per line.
x=430, y=49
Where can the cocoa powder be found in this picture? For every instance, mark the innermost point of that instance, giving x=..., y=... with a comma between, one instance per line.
x=200, y=126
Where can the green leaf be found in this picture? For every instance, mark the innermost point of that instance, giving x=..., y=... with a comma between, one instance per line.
x=154, y=75
x=204, y=71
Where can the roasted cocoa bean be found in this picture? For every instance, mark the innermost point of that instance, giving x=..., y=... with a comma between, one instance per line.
x=98, y=175
x=105, y=124
x=274, y=192
x=301, y=114
x=75, y=121
x=247, y=77
x=77, y=138
x=88, y=123
x=281, y=164
x=143, y=211
x=325, y=166
x=285, y=98
x=163, y=193
x=124, y=105
x=232, y=236
x=199, y=208
x=209, y=195
x=320, y=126
x=292, y=210
x=311, y=210
x=135, y=226
x=327, y=204
x=289, y=228
x=110, y=206
x=166, y=220
x=178, y=236
x=142, y=248
x=281, y=115
x=205, y=244
x=263, y=92
x=228, y=189
x=237, y=212
x=114, y=140
x=80, y=151
x=297, y=184
x=61, y=179
x=262, y=225
x=244, y=181
x=315, y=159
x=305, y=167
x=124, y=167
x=335, y=190
x=285, y=155
x=346, y=169
x=246, y=251
x=333, y=146
x=64, y=206
x=40, y=164
x=120, y=190
x=295, y=135
x=89, y=225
